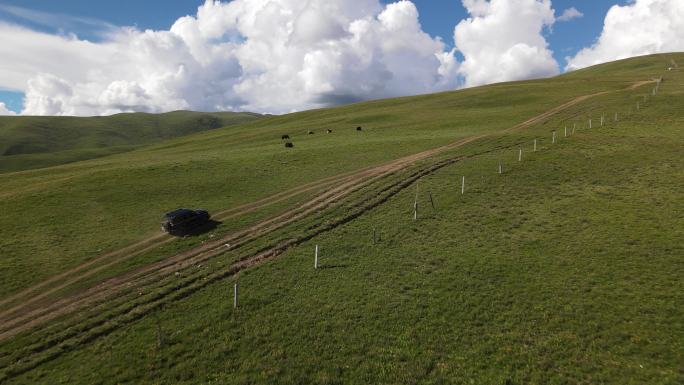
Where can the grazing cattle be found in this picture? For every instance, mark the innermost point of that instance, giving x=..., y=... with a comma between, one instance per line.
x=286, y=136
x=359, y=129
x=310, y=132
x=329, y=131
x=289, y=144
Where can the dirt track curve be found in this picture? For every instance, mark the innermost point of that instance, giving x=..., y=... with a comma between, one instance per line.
x=93, y=266
x=34, y=310
x=18, y=319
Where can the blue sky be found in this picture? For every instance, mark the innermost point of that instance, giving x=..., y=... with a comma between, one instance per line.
x=89, y=19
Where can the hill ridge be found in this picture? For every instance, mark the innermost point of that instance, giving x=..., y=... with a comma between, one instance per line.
x=28, y=142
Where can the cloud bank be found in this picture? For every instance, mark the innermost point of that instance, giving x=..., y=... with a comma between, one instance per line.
x=259, y=55
x=278, y=56
x=641, y=28
x=274, y=56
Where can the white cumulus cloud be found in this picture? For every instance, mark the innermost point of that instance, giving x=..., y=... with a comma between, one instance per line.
x=569, y=14
x=502, y=41
x=260, y=55
x=25, y=53
x=5, y=111
x=640, y=28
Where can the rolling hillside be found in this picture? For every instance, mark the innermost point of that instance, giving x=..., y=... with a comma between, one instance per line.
x=28, y=142
x=559, y=260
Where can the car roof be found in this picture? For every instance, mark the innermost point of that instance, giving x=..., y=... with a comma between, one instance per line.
x=178, y=212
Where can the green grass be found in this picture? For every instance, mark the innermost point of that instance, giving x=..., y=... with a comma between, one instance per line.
x=30, y=142
x=565, y=269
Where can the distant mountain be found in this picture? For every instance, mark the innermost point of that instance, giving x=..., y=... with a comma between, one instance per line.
x=28, y=142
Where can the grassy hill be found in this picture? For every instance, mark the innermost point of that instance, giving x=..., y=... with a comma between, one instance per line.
x=28, y=142
x=564, y=268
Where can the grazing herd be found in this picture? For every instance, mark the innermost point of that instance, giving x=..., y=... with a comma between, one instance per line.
x=289, y=144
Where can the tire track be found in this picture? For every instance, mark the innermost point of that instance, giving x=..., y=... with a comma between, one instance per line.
x=49, y=349
x=16, y=320
x=84, y=270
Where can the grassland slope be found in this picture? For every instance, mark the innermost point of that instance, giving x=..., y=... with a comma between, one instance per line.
x=39, y=141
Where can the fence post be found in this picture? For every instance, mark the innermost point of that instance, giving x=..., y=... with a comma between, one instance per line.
x=415, y=204
x=316, y=258
x=535, y=145
x=566, y=132
x=520, y=155
x=589, y=123
x=235, y=295
x=553, y=137
x=463, y=185
x=500, y=168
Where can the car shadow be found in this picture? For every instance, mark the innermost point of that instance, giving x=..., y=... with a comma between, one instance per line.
x=199, y=230
x=340, y=266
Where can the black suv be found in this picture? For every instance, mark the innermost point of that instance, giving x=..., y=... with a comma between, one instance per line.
x=183, y=220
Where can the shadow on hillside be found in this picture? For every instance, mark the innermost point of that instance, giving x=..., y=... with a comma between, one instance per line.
x=333, y=266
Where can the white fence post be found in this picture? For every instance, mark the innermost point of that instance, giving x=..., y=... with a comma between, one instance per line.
x=316, y=258
x=463, y=185
x=553, y=137
x=520, y=155
x=535, y=145
x=235, y=295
